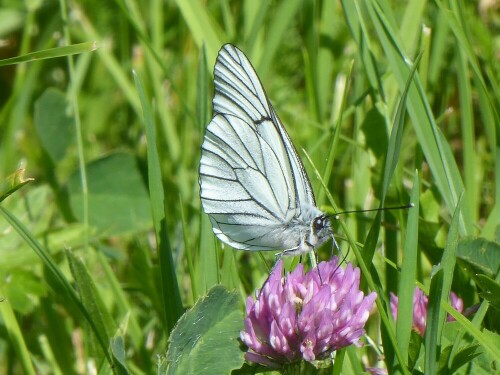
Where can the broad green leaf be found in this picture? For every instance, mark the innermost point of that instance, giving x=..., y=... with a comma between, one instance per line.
x=53, y=123
x=464, y=356
x=205, y=340
x=414, y=349
x=22, y=288
x=491, y=290
x=480, y=253
x=118, y=199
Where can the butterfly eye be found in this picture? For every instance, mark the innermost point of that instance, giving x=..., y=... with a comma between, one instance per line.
x=318, y=223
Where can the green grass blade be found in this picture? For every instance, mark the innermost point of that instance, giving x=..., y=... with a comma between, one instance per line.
x=283, y=17
x=113, y=66
x=408, y=274
x=170, y=290
x=201, y=26
x=394, y=147
x=255, y=13
x=49, y=355
x=412, y=23
x=432, y=338
x=359, y=30
x=189, y=250
x=470, y=157
x=9, y=321
x=51, y=53
x=123, y=304
x=208, y=269
x=449, y=258
x=202, y=103
x=336, y=136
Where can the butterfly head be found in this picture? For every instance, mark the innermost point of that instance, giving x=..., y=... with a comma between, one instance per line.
x=321, y=229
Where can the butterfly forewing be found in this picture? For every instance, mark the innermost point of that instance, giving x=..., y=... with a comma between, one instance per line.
x=253, y=184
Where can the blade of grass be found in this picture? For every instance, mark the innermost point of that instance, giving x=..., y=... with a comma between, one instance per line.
x=394, y=146
x=360, y=33
x=111, y=63
x=408, y=274
x=412, y=23
x=122, y=303
x=153, y=60
x=51, y=53
x=73, y=97
x=392, y=157
x=208, y=267
x=189, y=249
x=470, y=155
x=448, y=260
x=325, y=59
x=202, y=27
x=336, y=135
x=456, y=20
x=202, y=91
x=439, y=290
x=432, y=340
x=11, y=325
x=255, y=13
x=282, y=20
x=209, y=263
x=49, y=355
x=171, y=298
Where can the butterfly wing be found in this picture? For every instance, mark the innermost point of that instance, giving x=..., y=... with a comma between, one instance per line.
x=252, y=182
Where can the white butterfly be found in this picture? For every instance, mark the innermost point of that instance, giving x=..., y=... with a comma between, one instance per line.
x=252, y=183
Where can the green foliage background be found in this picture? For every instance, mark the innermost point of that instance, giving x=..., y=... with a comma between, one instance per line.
x=104, y=251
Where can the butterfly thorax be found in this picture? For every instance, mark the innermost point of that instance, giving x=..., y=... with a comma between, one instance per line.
x=310, y=228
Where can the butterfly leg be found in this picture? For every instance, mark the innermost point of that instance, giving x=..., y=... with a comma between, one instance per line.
x=317, y=263
x=277, y=258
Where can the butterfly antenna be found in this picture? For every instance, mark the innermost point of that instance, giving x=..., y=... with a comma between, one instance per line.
x=344, y=257
x=403, y=207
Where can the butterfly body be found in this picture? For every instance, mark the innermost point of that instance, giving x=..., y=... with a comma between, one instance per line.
x=253, y=185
